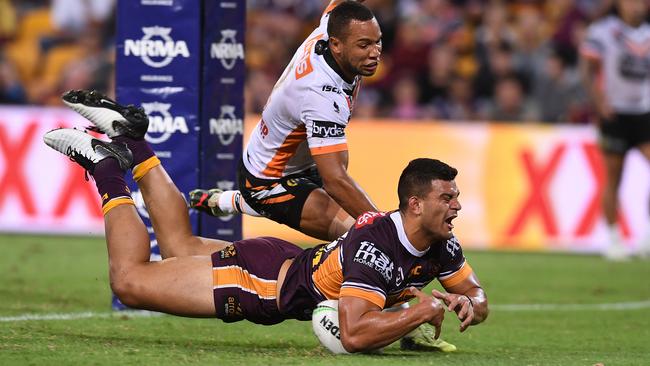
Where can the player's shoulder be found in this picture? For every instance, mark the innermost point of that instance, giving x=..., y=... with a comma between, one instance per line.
x=605, y=24
x=376, y=227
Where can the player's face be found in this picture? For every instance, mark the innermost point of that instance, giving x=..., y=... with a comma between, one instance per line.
x=440, y=207
x=361, y=48
x=633, y=11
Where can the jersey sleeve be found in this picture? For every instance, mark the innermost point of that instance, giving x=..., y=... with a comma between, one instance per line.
x=593, y=46
x=454, y=268
x=325, y=123
x=365, y=271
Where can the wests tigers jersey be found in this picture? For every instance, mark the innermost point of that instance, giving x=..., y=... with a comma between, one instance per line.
x=374, y=261
x=305, y=115
x=624, y=53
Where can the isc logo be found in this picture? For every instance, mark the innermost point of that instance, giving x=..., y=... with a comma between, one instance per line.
x=227, y=50
x=161, y=123
x=156, y=48
x=227, y=126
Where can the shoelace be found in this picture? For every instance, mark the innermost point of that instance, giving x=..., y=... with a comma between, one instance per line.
x=75, y=156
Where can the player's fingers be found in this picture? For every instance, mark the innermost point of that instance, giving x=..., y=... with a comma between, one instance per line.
x=463, y=311
x=453, y=303
x=441, y=296
x=438, y=330
x=467, y=322
x=415, y=292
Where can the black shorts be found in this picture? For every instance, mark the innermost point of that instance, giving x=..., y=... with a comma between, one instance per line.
x=280, y=200
x=624, y=132
x=245, y=276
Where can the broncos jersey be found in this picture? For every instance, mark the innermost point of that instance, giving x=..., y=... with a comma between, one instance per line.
x=624, y=53
x=305, y=115
x=374, y=261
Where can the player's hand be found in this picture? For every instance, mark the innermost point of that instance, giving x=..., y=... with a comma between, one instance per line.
x=435, y=308
x=604, y=110
x=461, y=304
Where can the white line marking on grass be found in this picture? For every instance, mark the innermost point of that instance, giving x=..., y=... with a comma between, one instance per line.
x=75, y=316
x=633, y=305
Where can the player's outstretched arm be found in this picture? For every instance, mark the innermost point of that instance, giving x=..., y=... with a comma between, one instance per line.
x=334, y=3
x=364, y=327
x=332, y=167
x=467, y=299
x=590, y=70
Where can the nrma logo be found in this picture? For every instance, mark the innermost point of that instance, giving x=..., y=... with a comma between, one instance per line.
x=227, y=126
x=227, y=50
x=161, y=123
x=156, y=48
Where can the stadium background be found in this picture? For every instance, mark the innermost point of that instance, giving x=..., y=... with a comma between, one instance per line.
x=491, y=87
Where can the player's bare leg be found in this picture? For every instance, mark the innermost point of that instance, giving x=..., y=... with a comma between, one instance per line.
x=170, y=219
x=181, y=286
x=165, y=204
x=614, y=168
x=323, y=218
x=644, y=247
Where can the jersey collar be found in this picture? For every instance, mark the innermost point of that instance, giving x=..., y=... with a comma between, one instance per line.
x=401, y=234
x=327, y=55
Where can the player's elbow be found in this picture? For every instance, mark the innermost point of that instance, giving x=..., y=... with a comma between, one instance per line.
x=354, y=343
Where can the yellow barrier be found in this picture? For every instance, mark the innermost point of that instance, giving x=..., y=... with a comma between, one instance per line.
x=530, y=187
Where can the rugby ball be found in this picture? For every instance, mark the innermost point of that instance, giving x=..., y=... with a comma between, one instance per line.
x=325, y=322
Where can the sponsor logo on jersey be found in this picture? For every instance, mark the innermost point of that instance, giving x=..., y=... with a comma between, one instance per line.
x=400, y=276
x=327, y=129
x=332, y=89
x=228, y=252
x=162, y=125
x=232, y=307
x=156, y=48
x=227, y=126
x=227, y=50
x=452, y=246
x=369, y=255
x=368, y=218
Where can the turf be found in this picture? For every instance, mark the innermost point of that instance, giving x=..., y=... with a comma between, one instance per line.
x=45, y=275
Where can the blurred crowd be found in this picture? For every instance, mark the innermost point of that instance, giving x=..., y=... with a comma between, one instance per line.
x=460, y=60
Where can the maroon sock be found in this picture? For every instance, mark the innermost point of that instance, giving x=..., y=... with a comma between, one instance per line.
x=140, y=148
x=109, y=178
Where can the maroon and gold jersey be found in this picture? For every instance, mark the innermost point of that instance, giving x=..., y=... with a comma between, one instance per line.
x=374, y=261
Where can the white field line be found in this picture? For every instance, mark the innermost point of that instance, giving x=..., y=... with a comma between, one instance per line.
x=82, y=315
x=633, y=305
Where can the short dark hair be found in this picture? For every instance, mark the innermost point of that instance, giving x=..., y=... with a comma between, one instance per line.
x=343, y=14
x=416, y=178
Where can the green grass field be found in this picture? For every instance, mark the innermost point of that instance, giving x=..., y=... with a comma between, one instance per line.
x=62, y=275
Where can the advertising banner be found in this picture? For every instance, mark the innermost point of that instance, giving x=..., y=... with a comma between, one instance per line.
x=222, y=123
x=40, y=190
x=523, y=187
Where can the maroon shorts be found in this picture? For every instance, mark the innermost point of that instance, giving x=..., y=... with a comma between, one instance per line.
x=244, y=276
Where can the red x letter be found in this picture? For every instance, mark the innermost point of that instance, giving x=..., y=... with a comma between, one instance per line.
x=537, y=202
x=594, y=209
x=14, y=157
